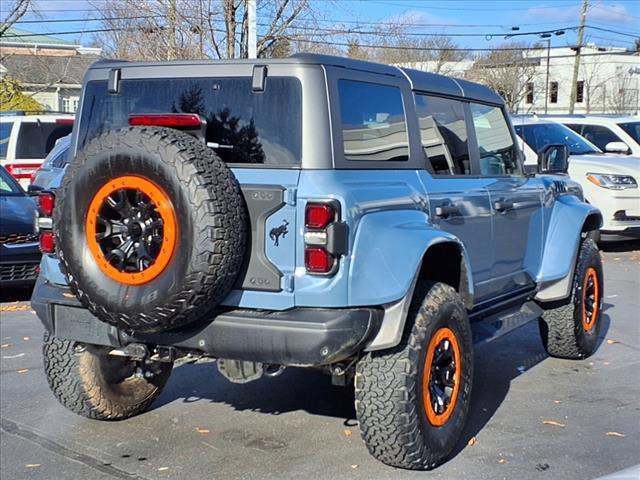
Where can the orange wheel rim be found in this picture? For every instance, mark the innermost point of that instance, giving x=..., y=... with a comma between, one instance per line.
x=590, y=299
x=131, y=230
x=441, y=376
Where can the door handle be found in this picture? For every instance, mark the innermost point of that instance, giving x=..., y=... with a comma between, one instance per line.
x=502, y=206
x=447, y=211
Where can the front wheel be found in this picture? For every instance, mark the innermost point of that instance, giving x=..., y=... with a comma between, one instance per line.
x=412, y=400
x=90, y=382
x=570, y=328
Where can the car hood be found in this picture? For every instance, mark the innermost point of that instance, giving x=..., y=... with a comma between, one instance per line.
x=16, y=214
x=600, y=163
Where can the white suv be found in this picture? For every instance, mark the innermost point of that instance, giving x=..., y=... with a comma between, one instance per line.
x=610, y=182
x=25, y=141
x=609, y=134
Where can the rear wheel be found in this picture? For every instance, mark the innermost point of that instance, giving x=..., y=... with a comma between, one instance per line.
x=570, y=328
x=412, y=400
x=90, y=382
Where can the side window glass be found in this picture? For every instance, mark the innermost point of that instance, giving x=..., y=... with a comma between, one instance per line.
x=373, y=122
x=498, y=154
x=444, y=134
x=599, y=135
x=61, y=159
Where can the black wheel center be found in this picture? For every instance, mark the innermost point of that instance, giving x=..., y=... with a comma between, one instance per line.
x=442, y=378
x=129, y=230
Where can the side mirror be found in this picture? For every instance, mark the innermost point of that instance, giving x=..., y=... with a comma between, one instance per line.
x=553, y=159
x=616, y=147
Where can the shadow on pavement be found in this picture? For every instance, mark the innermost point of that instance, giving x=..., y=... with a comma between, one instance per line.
x=16, y=294
x=619, y=246
x=496, y=365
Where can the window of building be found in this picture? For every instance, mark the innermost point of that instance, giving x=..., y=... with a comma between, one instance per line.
x=70, y=104
x=373, y=122
x=498, y=154
x=553, y=92
x=530, y=92
x=580, y=91
x=444, y=134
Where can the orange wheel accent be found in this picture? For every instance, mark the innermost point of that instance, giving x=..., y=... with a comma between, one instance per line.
x=166, y=230
x=436, y=374
x=590, y=299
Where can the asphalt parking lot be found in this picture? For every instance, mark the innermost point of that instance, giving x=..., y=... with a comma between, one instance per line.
x=531, y=416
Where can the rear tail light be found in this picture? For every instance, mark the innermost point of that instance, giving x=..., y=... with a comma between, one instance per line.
x=47, y=242
x=46, y=203
x=318, y=215
x=325, y=237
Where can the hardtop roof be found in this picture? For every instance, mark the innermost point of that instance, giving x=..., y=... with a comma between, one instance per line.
x=420, y=81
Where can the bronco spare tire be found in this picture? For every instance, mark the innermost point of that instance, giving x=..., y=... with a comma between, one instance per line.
x=150, y=228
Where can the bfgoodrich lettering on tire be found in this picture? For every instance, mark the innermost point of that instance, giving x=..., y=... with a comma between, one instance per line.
x=412, y=400
x=150, y=228
x=570, y=328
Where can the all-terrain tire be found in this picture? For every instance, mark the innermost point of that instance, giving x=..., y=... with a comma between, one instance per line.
x=569, y=329
x=89, y=382
x=205, y=228
x=390, y=394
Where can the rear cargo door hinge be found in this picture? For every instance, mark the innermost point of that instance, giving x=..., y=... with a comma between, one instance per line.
x=290, y=196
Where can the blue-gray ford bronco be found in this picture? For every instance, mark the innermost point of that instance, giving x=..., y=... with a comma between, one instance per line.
x=369, y=221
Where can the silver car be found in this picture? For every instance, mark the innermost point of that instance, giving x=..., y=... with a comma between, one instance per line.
x=49, y=174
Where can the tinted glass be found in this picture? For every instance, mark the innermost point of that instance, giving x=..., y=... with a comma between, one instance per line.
x=35, y=140
x=5, y=134
x=498, y=153
x=8, y=186
x=373, y=122
x=632, y=129
x=444, y=134
x=539, y=135
x=599, y=135
x=249, y=127
x=61, y=159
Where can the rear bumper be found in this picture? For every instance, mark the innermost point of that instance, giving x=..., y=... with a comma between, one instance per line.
x=295, y=337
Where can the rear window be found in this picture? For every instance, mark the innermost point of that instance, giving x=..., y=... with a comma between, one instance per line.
x=632, y=129
x=249, y=127
x=5, y=135
x=36, y=139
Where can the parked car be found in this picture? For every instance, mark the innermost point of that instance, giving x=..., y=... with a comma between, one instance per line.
x=610, y=182
x=52, y=167
x=25, y=141
x=19, y=252
x=318, y=212
x=609, y=134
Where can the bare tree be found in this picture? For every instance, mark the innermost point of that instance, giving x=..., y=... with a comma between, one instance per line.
x=507, y=71
x=623, y=98
x=15, y=9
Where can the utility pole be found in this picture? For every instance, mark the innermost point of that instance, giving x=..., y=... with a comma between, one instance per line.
x=576, y=63
x=546, y=88
x=252, y=43
x=171, y=17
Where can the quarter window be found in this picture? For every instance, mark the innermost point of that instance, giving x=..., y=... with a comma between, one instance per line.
x=444, y=134
x=373, y=122
x=599, y=135
x=498, y=154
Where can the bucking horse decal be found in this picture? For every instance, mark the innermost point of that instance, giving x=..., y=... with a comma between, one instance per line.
x=277, y=232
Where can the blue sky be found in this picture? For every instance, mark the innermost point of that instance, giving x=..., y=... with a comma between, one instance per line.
x=451, y=17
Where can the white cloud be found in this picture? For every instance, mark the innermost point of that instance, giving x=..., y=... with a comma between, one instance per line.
x=418, y=17
x=607, y=13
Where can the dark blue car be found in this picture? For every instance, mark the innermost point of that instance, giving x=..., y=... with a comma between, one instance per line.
x=19, y=252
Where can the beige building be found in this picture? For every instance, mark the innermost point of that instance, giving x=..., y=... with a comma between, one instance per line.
x=50, y=69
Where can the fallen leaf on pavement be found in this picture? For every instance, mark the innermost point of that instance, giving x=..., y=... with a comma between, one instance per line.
x=162, y=469
x=354, y=466
x=557, y=401
x=26, y=339
x=611, y=342
x=14, y=356
x=23, y=370
x=347, y=432
x=615, y=434
x=202, y=430
x=502, y=460
x=553, y=423
x=472, y=441
x=5, y=345
x=606, y=363
x=32, y=465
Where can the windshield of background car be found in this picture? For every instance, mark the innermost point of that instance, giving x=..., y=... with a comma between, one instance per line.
x=37, y=139
x=632, y=129
x=8, y=186
x=5, y=135
x=538, y=135
x=249, y=127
